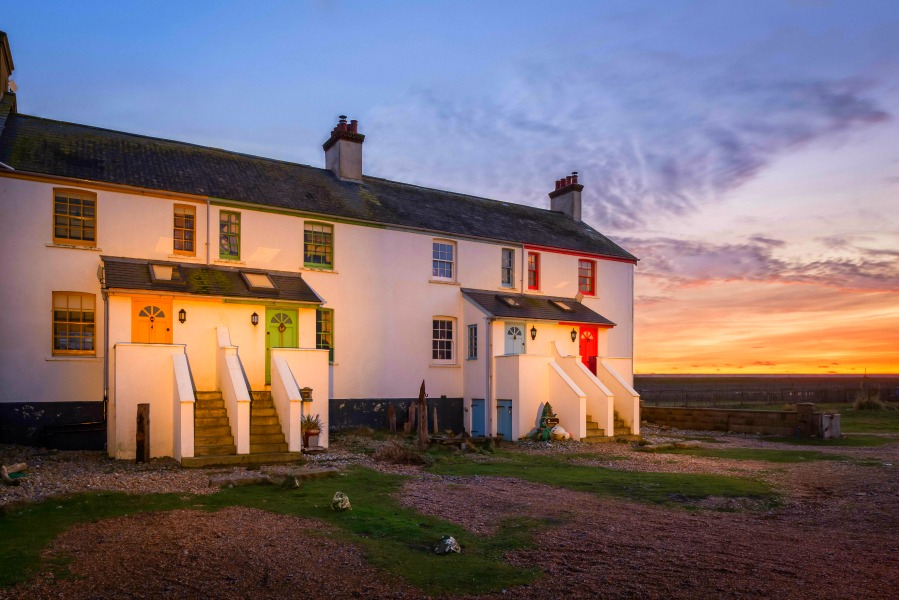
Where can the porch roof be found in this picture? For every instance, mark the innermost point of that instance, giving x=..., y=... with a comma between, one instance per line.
x=206, y=280
x=531, y=307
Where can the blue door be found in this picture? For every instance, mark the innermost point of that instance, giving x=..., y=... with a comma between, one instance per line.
x=478, y=428
x=504, y=418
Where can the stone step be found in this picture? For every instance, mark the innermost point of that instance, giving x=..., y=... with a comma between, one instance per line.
x=597, y=439
x=210, y=422
x=267, y=448
x=622, y=431
x=260, y=429
x=265, y=420
x=262, y=395
x=209, y=396
x=250, y=459
x=266, y=438
x=210, y=430
x=214, y=450
x=213, y=440
x=596, y=431
x=209, y=413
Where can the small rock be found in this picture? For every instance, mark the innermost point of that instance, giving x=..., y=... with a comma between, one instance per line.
x=291, y=482
x=340, y=502
x=447, y=545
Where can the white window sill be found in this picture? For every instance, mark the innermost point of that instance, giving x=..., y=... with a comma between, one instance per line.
x=74, y=247
x=192, y=257
x=471, y=359
x=314, y=270
x=445, y=282
x=73, y=358
x=226, y=261
x=445, y=366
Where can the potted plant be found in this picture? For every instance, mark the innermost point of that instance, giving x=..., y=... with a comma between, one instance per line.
x=310, y=426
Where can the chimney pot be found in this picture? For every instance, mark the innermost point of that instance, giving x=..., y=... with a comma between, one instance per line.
x=354, y=126
x=343, y=150
x=574, y=176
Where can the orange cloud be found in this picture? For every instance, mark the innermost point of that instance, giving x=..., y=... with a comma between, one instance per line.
x=765, y=327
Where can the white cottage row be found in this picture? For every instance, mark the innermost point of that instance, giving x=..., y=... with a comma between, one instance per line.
x=215, y=286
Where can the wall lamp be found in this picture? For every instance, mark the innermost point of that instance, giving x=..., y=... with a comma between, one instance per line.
x=254, y=319
x=182, y=316
x=573, y=334
x=533, y=332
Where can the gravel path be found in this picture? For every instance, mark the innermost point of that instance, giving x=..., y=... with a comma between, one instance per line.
x=837, y=536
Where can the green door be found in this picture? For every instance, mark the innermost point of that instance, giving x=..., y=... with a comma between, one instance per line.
x=280, y=332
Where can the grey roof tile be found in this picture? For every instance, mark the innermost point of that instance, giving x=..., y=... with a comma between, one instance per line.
x=534, y=308
x=38, y=145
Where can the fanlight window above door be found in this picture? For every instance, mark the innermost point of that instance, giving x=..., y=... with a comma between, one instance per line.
x=282, y=320
x=153, y=312
x=515, y=332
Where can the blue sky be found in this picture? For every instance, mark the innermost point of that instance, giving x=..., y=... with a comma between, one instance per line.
x=746, y=151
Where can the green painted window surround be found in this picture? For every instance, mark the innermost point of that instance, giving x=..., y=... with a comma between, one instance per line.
x=229, y=235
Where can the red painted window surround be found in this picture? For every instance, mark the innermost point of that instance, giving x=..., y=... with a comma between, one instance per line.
x=533, y=271
x=586, y=277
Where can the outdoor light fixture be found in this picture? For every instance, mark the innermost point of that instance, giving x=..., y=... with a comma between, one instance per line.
x=306, y=394
x=573, y=334
x=182, y=316
x=254, y=319
x=533, y=332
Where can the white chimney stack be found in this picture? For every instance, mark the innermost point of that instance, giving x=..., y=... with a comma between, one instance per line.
x=566, y=198
x=343, y=151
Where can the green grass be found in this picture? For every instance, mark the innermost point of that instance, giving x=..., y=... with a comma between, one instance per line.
x=395, y=539
x=851, y=421
x=652, y=488
x=849, y=441
x=766, y=455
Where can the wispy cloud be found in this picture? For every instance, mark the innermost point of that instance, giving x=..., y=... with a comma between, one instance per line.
x=653, y=135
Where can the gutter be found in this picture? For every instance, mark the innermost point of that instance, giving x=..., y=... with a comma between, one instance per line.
x=208, y=249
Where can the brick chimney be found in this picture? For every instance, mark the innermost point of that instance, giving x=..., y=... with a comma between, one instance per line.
x=343, y=150
x=566, y=198
x=6, y=66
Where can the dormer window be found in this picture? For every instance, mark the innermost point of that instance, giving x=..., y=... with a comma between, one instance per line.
x=509, y=301
x=162, y=273
x=561, y=305
x=258, y=282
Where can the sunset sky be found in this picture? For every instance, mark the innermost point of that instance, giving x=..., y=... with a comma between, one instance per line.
x=746, y=152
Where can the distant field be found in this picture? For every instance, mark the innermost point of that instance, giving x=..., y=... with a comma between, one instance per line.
x=755, y=391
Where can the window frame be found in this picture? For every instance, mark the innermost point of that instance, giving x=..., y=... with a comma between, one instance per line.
x=330, y=246
x=318, y=333
x=507, y=269
x=435, y=349
x=472, y=342
x=53, y=322
x=222, y=213
x=176, y=229
x=535, y=270
x=452, y=262
x=74, y=193
x=581, y=278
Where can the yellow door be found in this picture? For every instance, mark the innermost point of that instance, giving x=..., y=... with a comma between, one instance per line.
x=151, y=320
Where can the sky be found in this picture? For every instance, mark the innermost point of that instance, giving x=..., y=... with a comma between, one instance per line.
x=746, y=152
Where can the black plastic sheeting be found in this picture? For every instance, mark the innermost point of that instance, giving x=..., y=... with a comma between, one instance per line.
x=53, y=425
x=372, y=412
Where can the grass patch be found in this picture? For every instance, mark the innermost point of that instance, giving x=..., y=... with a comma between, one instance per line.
x=761, y=454
x=654, y=488
x=851, y=420
x=849, y=441
x=393, y=538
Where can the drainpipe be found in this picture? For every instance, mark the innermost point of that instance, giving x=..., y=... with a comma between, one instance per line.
x=105, y=295
x=207, y=231
x=524, y=266
x=488, y=404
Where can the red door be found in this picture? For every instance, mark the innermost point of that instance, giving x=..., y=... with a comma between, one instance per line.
x=588, y=347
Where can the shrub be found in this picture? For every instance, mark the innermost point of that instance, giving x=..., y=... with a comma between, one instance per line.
x=400, y=454
x=868, y=401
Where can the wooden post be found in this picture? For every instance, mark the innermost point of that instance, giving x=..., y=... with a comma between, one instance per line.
x=142, y=439
x=422, y=418
x=436, y=429
x=410, y=418
x=391, y=418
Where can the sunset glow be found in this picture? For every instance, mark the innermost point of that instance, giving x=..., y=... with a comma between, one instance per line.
x=745, y=152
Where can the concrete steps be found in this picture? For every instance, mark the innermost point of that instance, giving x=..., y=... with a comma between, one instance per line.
x=212, y=431
x=596, y=435
x=242, y=459
x=266, y=435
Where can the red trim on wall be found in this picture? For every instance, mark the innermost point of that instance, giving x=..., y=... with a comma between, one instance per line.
x=536, y=256
x=581, y=254
x=577, y=324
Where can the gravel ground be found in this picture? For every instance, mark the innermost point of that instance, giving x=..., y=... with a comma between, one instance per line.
x=837, y=535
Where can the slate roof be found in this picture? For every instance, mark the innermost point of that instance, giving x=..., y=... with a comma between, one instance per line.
x=205, y=280
x=38, y=145
x=534, y=308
